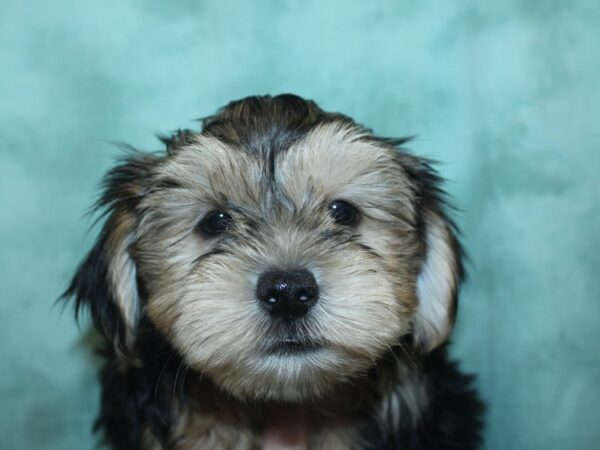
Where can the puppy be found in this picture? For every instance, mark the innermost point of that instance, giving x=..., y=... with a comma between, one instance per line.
x=281, y=279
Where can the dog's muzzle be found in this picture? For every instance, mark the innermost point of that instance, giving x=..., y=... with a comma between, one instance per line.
x=287, y=295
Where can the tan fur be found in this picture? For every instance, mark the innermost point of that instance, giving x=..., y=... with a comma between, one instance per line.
x=377, y=283
x=122, y=273
x=436, y=285
x=365, y=300
x=223, y=423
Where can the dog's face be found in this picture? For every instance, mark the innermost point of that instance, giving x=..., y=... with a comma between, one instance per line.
x=282, y=251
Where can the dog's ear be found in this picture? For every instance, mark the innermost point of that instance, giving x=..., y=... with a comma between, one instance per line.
x=106, y=280
x=441, y=270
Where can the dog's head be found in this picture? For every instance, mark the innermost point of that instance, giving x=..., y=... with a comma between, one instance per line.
x=281, y=251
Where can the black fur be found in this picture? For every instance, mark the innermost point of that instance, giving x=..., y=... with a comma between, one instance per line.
x=122, y=189
x=430, y=196
x=452, y=420
x=143, y=395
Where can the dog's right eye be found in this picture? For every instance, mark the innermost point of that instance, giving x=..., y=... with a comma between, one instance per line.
x=214, y=223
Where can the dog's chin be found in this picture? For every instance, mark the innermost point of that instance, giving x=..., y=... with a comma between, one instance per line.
x=292, y=373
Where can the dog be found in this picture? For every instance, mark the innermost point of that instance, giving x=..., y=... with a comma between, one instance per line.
x=282, y=278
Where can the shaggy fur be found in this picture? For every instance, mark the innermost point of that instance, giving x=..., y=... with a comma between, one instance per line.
x=196, y=362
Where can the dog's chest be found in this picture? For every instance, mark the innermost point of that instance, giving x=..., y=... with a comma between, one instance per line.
x=235, y=431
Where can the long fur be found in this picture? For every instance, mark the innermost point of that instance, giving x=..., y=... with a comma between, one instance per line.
x=188, y=354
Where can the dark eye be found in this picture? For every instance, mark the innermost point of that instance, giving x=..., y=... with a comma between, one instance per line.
x=343, y=212
x=214, y=223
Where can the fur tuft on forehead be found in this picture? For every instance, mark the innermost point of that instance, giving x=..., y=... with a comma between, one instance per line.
x=260, y=123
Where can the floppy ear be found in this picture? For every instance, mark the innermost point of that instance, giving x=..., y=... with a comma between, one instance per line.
x=106, y=280
x=441, y=270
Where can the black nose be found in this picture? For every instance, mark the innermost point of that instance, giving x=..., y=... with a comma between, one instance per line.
x=287, y=295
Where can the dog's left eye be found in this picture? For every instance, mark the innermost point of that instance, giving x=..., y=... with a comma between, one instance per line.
x=343, y=212
x=214, y=223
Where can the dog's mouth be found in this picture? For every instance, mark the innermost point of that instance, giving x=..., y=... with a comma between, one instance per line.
x=291, y=345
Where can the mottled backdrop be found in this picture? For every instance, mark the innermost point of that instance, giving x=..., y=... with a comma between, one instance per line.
x=505, y=94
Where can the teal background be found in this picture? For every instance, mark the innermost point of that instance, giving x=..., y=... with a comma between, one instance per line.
x=505, y=94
